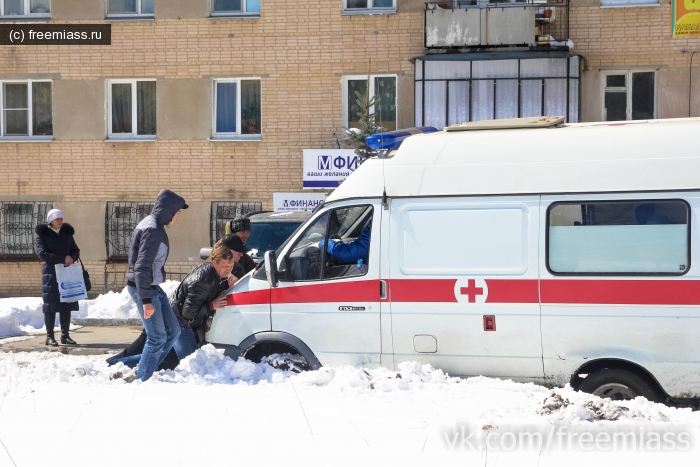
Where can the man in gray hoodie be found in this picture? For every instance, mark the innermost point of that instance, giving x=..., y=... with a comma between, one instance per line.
x=148, y=253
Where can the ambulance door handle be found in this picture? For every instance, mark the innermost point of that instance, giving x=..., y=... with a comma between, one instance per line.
x=382, y=289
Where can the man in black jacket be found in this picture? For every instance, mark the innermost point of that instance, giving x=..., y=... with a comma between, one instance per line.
x=240, y=226
x=199, y=294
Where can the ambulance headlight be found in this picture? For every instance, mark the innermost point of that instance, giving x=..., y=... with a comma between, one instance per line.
x=393, y=139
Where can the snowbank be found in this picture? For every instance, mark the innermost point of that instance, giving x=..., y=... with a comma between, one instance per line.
x=19, y=316
x=208, y=366
x=569, y=406
x=115, y=305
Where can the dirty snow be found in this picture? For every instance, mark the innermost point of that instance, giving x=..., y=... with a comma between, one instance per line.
x=338, y=415
x=22, y=316
x=265, y=413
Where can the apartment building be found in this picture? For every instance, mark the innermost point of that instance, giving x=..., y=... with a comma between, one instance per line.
x=217, y=99
x=214, y=99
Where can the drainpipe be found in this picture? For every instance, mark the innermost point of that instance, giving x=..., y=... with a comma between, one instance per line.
x=690, y=84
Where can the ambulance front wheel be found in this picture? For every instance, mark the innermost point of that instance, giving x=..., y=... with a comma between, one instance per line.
x=619, y=384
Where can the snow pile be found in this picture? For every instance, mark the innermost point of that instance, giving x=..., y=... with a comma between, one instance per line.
x=208, y=365
x=569, y=406
x=19, y=316
x=22, y=370
x=110, y=305
x=114, y=305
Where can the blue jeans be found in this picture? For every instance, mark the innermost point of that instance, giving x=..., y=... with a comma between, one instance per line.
x=184, y=345
x=162, y=330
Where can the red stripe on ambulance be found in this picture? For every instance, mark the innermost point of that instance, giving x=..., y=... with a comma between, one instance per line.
x=255, y=297
x=512, y=291
x=354, y=291
x=553, y=291
x=621, y=292
x=422, y=290
x=443, y=290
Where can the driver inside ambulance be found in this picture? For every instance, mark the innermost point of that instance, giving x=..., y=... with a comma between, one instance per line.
x=354, y=252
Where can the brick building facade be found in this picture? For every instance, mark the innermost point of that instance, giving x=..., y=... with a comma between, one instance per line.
x=297, y=63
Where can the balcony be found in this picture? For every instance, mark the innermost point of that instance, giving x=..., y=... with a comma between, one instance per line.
x=543, y=24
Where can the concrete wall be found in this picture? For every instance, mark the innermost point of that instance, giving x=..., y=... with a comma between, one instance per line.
x=68, y=10
x=88, y=220
x=181, y=9
x=190, y=233
x=184, y=108
x=591, y=100
x=79, y=109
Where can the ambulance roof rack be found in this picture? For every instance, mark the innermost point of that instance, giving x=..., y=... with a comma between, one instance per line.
x=508, y=123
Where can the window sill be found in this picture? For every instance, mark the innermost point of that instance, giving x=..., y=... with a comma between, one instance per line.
x=20, y=259
x=131, y=18
x=130, y=140
x=641, y=5
x=236, y=138
x=234, y=15
x=10, y=19
x=26, y=139
x=369, y=12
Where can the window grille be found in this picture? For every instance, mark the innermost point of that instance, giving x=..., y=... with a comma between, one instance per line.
x=17, y=223
x=224, y=211
x=120, y=221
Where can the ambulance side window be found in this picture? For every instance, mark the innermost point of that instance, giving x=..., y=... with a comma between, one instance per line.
x=305, y=259
x=347, y=229
x=649, y=237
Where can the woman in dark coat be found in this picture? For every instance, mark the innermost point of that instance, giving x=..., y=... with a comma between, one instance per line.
x=55, y=245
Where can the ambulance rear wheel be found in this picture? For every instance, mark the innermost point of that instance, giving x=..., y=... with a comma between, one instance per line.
x=619, y=385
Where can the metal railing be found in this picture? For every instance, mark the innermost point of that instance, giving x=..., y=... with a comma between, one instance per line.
x=121, y=218
x=224, y=211
x=551, y=19
x=17, y=222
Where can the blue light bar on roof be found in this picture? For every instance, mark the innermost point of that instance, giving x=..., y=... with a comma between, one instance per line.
x=393, y=139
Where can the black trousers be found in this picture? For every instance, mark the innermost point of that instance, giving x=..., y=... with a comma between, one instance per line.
x=50, y=322
x=135, y=348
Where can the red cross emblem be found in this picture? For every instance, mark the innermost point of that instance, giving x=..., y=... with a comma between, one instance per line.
x=471, y=290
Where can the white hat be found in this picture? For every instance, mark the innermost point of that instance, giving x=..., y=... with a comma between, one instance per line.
x=53, y=214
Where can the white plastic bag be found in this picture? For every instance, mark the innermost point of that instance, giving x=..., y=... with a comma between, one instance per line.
x=71, y=284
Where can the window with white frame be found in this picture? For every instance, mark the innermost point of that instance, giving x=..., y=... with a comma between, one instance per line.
x=235, y=7
x=627, y=3
x=130, y=7
x=31, y=8
x=26, y=109
x=373, y=6
x=132, y=109
x=383, y=87
x=629, y=95
x=237, y=107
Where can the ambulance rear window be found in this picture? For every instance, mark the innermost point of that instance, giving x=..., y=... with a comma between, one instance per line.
x=619, y=238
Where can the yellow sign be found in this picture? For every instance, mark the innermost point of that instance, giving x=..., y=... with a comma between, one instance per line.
x=685, y=18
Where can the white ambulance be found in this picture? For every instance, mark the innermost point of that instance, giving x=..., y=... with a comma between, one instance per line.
x=526, y=249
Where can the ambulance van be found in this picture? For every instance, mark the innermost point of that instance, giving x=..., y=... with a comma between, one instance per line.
x=526, y=249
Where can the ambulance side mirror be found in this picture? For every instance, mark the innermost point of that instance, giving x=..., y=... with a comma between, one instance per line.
x=271, y=268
